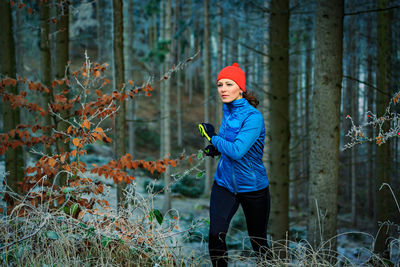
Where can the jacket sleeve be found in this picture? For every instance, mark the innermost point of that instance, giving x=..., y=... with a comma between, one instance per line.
x=244, y=140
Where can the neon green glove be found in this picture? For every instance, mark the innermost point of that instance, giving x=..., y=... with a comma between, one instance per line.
x=207, y=130
x=211, y=151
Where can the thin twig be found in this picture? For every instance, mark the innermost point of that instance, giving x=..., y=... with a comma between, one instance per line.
x=371, y=10
x=28, y=236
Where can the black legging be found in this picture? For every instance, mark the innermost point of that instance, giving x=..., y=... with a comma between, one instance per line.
x=223, y=205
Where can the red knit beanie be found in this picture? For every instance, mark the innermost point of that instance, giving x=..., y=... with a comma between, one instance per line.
x=233, y=73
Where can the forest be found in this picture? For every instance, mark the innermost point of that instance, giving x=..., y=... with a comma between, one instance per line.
x=102, y=162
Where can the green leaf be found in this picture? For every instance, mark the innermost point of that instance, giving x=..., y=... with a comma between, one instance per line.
x=74, y=209
x=68, y=189
x=66, y=210
x=200, y=155
x=105, y=240
x=52, y=235
x=200, y=174
x=90, y=231
x=82, y=225
x=156, y=213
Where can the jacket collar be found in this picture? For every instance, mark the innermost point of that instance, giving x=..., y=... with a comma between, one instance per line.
x=235, y=105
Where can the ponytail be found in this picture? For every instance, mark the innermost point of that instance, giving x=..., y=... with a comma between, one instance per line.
x=251, y=98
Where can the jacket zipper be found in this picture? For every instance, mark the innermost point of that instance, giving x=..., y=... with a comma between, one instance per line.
x=225, y=125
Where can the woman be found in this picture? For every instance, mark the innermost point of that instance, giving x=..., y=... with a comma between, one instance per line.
x=240, y=177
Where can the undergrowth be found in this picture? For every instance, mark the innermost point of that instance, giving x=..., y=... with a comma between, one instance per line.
x=139, y=235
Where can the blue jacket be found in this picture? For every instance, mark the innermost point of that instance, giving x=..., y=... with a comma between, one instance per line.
x=241, y=142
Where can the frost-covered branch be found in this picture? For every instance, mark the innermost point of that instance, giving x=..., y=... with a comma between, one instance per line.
x=387, y=125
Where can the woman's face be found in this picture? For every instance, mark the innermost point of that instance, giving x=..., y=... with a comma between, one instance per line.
x=228, y=90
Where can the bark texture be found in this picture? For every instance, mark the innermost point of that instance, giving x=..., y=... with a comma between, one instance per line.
x=207, y=78
x=119, y=68
x=166, y=115
x=278, y=119
x=11, y=117
x=383, y=156
x=325, y=126
x=60, y=71
x=45, y=60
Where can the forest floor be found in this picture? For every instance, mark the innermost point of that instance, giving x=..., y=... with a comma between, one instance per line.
x=189, y=211
x=353, y=244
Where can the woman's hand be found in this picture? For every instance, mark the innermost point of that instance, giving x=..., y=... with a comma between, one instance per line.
x=207, y=130
x=211, y=151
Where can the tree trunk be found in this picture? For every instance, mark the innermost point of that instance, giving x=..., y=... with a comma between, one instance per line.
x=167, y=107
x=20, y=49
x=61, y=61
x=325, y=129
x=354, y=154
x=371, y=162
x=179, y=77
x=218, y=102
x=162, y=85
x=11, y=117
x=101, y=31
x=45, y=60
x=207, y=78
x=132, y=72
x=351, y=107
x=308, y=113
x=267, y=89
x=197, y=40
x=220, y=42
x=294, y=111
x=235, y=34
x=179, y=105
x=278, y=119
x=119, y=69
x=383, y=151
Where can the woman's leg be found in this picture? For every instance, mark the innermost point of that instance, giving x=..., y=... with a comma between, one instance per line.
x=256, y=207
x=223, y=205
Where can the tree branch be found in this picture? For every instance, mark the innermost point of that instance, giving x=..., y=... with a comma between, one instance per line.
x=370, y=11
x=247, y=46
x=26, y=237
x=365, y=83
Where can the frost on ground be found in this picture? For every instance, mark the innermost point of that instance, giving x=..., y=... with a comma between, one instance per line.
x=189, y=235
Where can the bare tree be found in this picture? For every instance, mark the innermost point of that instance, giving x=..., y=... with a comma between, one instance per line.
x=45, y=60
x=207, y=78
x=101, y=30
x=132, y=71
x=383, y=151
x=11, y=117
x=179, y=76
x=60, y=70
x=166, y=115
x=119, y=68
x=278, y=119
x=324, y=155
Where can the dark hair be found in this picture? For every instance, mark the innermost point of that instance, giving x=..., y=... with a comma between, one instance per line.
x=251, y=98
